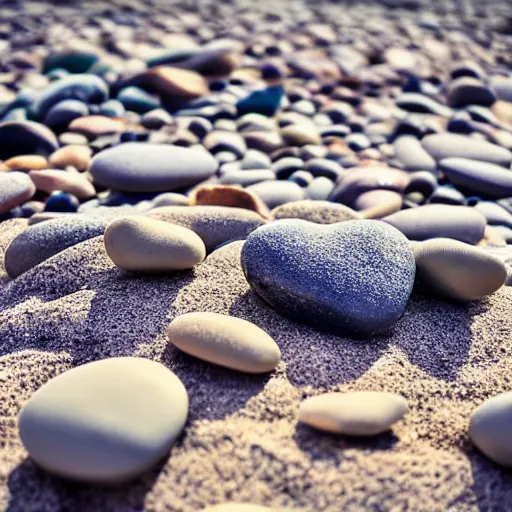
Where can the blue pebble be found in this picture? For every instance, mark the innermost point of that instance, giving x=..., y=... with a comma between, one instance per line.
x=112, y=108
x=265, y=102
x=138, y=100
x=62, y=202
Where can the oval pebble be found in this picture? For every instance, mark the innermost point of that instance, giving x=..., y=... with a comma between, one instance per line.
x=227, y=341
x=142, y=244
x=15, y=188
x=77, y=156
x=105, y=422
x=26, y=138
x=50, y=180
x=275, y=193
x=356, y=413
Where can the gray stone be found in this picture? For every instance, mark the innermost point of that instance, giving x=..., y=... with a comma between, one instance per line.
x=15, y=189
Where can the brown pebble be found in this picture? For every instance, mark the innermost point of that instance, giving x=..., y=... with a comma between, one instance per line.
x=51, y=180
x=26, y=163
x=77, y=156
x=94, y=126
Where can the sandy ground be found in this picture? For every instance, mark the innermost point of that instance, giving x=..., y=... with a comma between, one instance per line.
x=242, y=441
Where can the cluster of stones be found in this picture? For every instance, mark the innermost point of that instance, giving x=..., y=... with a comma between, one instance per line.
x=353, y=174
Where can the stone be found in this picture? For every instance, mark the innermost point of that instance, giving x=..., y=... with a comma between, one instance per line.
x=319, y=189
x=300, y=135
x=489, y=428
x=275, y=193
x=356, y=413
x=218, y=140
x=51, y=180
x=170, y=199
x=144, y=167
x=265, y=102
x=247, y=178
x=26, y=138
x=26, y=163
x=469, y=91
x=85, y=87
x=45, y=239
x=138, y=100
x=105, y=422
x=422, y=104
x=214, y=224
x=319, y=212
x=94, y=126
x=410, y=152
x=494, y=213
x=77, y=156
x=447, y=145
x=358, y=180
x=72, y=60
x=502, y=85
x=478, y=177
x=143, y=244
x=224, y=340
x=375, y=204
x=353, y=277
x=440, y=221
x=60, y=201
x=456, y=270
x=15, y=189
x=65, y=111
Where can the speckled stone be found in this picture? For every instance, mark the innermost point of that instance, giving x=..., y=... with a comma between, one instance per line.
x=51, y=180
x=456, y=270
x=489, y=428
x=142, y=244
x=320, y=212
x=26, y=138
x=351, y=277
x=15, y=189
x=447, y=145
x=224, y=340
x=214, y=224
x=356, y=413
x=45, y=239
x=478, y=177
x=105, y=422
x=440, y=221
x=142, y=167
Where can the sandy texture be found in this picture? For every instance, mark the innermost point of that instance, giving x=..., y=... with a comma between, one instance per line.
x=242, y=441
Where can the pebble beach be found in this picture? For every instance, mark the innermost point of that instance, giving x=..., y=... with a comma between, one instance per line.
x=255, y=256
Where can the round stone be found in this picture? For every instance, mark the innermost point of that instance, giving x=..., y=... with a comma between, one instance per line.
x=275, y=193
x=105, y=422
x=469, y=91
x=489, y=428
x=15, y=188
x=357, y=413
x=143, y=167
x=457, y=270
x=353, y=277
x=63, y=112
x=26, y=138
x=224, y=340
x=319, y=189
x=51, y=180
x=60, y=201
x=77, y=156
x=300, y=134
x=142, y=244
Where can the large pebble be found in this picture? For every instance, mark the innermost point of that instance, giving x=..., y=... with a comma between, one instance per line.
x=353, y=277
x=440, y=221
x=469, y=91
x=224, y=340
x=142, y=167
x=320, y=212
x=357, y=413
x=15, y=188
x=50, y=180
x=142, y=244
x=490, y=431
x=26, y=138
x=105, y=422
x=447, y=145
x=457, y=270
x=410, y=152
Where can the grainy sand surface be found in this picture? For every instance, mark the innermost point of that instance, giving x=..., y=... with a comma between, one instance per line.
x=242, y=441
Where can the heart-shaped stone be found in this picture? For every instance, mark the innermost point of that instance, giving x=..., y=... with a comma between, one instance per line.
x=353, y=277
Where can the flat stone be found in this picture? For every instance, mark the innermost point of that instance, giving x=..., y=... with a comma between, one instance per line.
x=489, y=428
x=353, y=277
x=494, y=213
x=170, y=199
x=469, y=91
x=15, y=189
x=375, y=204
x=143, y=244
x=105, y=422
x=447, y=145
x=26, y=163
x=248, y=177
x=224, y=340
x=94, y=126
x=356, y=413
x=51, y=180
x=214, y=224
x=45, y=239
x=320, y=212
x=142, y=167
x=478, y=177
x=77, y=156
x=275, y=193
x=26, y=138
x=415, y=102
x=410, y=152
x=300, y=135
x=456, y=270
x=440, y=221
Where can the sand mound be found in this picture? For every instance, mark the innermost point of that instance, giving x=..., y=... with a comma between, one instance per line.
x=242, y=441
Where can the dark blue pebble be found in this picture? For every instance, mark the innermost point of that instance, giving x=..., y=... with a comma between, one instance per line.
x=265, y=102
x=61, y=202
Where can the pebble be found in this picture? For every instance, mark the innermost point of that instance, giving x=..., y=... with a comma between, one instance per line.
x=447, y=194
x=214, y=224
x=321, y=275
x=122, y=416
x=466, y=91
x=448, y=145
x=144, y=167
x=65, y=111
x=15, y=189
x=375, y=204
x=247, y=178
x=26, y=163
x=143, y=244
x=94, y=126
x=494, y=213
x=275, y=193
x=265, y=102
x=410, y=152
x=478, y=177
x=489, y=428
x=45, y=239
x=440, y=221
x=320, y=212
x=77, y=156
x=224, y=340
x=26, y=138
x=319, y=189
x=138, y=100
x=60, y=201
x=456, y=270
x=300, y=135
x=51, y=180
x=419, y=103
x=356, y=413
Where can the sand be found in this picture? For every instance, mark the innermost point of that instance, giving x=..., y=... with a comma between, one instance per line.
x=242, y=441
